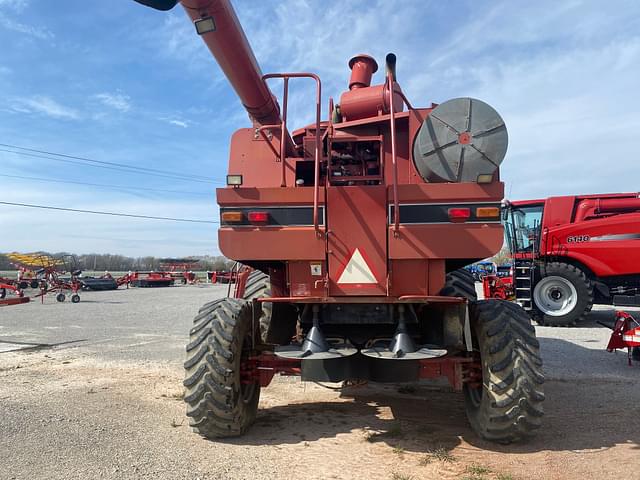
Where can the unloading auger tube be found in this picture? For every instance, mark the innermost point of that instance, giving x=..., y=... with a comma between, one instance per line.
x=216, y=22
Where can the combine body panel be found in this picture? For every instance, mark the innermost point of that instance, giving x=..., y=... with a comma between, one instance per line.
x=354, y=231
x=595, y=239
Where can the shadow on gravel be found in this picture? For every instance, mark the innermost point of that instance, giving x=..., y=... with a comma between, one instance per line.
x=594, y=411
x=110, y=302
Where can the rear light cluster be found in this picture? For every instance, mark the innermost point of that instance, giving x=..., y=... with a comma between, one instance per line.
x=255, y=218
x=462, y=214
x=459, y=214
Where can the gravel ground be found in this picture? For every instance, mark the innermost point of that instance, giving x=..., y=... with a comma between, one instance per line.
x=93, y=390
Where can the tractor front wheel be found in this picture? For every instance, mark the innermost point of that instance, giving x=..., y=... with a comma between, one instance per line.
x=563, y=296
x=218, y=403
x=507, y=407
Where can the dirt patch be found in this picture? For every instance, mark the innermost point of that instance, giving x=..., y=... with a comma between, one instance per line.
x=66, y=415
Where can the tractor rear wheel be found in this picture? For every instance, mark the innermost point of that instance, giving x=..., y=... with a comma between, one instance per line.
x=460, y=283
x=507, y=407
x=218, y=403
x=562, y=297
x=278, y=320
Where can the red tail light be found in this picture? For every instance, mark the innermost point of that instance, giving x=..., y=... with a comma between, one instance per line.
x=459, y=214
x=258, y=217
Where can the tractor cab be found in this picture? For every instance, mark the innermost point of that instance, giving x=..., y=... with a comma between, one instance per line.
x=522, y=223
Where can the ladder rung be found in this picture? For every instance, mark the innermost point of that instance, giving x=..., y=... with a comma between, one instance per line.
x=523, y=278
x=528, y=289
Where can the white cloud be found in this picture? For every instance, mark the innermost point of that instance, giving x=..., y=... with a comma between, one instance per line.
x=10, y=24
x=44, y=105
x=176, y=122
x=17, y=5
x=118, y=101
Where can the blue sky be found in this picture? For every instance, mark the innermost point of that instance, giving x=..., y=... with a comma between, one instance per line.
x=117, y=82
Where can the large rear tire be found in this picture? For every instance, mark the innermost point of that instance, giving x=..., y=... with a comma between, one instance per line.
x=278, y=320
x=507, y=407
x=218, y=404
x=562, y=297
x=460, y=283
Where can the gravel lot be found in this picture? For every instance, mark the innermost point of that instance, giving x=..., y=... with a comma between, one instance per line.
x=93, y=390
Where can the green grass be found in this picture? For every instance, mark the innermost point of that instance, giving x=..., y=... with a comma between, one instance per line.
x=439, y=454
x=400, y=476
x=477, y=469
x=398, y=450
x=504, y=476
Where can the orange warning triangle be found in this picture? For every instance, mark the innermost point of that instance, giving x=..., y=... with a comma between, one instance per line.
x=357, y=271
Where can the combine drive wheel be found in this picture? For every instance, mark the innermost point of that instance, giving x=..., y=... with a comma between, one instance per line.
x=75, y=298
x=60, y=297
x=460, y=283
x=563, y=296
x=507, y=407
x=218, y=404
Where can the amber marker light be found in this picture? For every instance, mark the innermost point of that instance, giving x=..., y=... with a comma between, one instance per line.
x=488, y=212
x=232, y=217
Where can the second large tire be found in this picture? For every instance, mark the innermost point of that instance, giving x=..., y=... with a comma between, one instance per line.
x=218, y=403
x=460, y=283
x=562, y=280
x=277, y=320
x=507, y=407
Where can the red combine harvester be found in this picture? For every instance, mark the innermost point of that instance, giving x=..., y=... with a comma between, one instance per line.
x=573, y=251
x=357, y=228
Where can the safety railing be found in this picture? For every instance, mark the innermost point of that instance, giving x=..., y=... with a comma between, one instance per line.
x=394, y=159
x=284, y=135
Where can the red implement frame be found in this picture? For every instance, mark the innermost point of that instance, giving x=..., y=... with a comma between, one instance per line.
x=458, y=370
x=626, y=333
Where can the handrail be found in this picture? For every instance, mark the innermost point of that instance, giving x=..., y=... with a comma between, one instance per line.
x=394, y=160
x=283, y=183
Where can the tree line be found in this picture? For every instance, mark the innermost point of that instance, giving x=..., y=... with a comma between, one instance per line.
x=121, y=263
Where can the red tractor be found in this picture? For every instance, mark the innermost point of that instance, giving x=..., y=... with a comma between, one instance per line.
x=357, y=228
x=573, y=251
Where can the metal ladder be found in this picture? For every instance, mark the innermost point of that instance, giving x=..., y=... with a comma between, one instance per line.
x=523, y=284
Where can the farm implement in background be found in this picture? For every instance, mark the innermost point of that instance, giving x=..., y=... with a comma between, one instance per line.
x=12, y=288
x=57, y=275
x=626, y=334
x=181, y=269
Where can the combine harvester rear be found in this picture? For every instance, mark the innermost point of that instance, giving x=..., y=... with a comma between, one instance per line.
x=571, y=252
x=358, y=228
